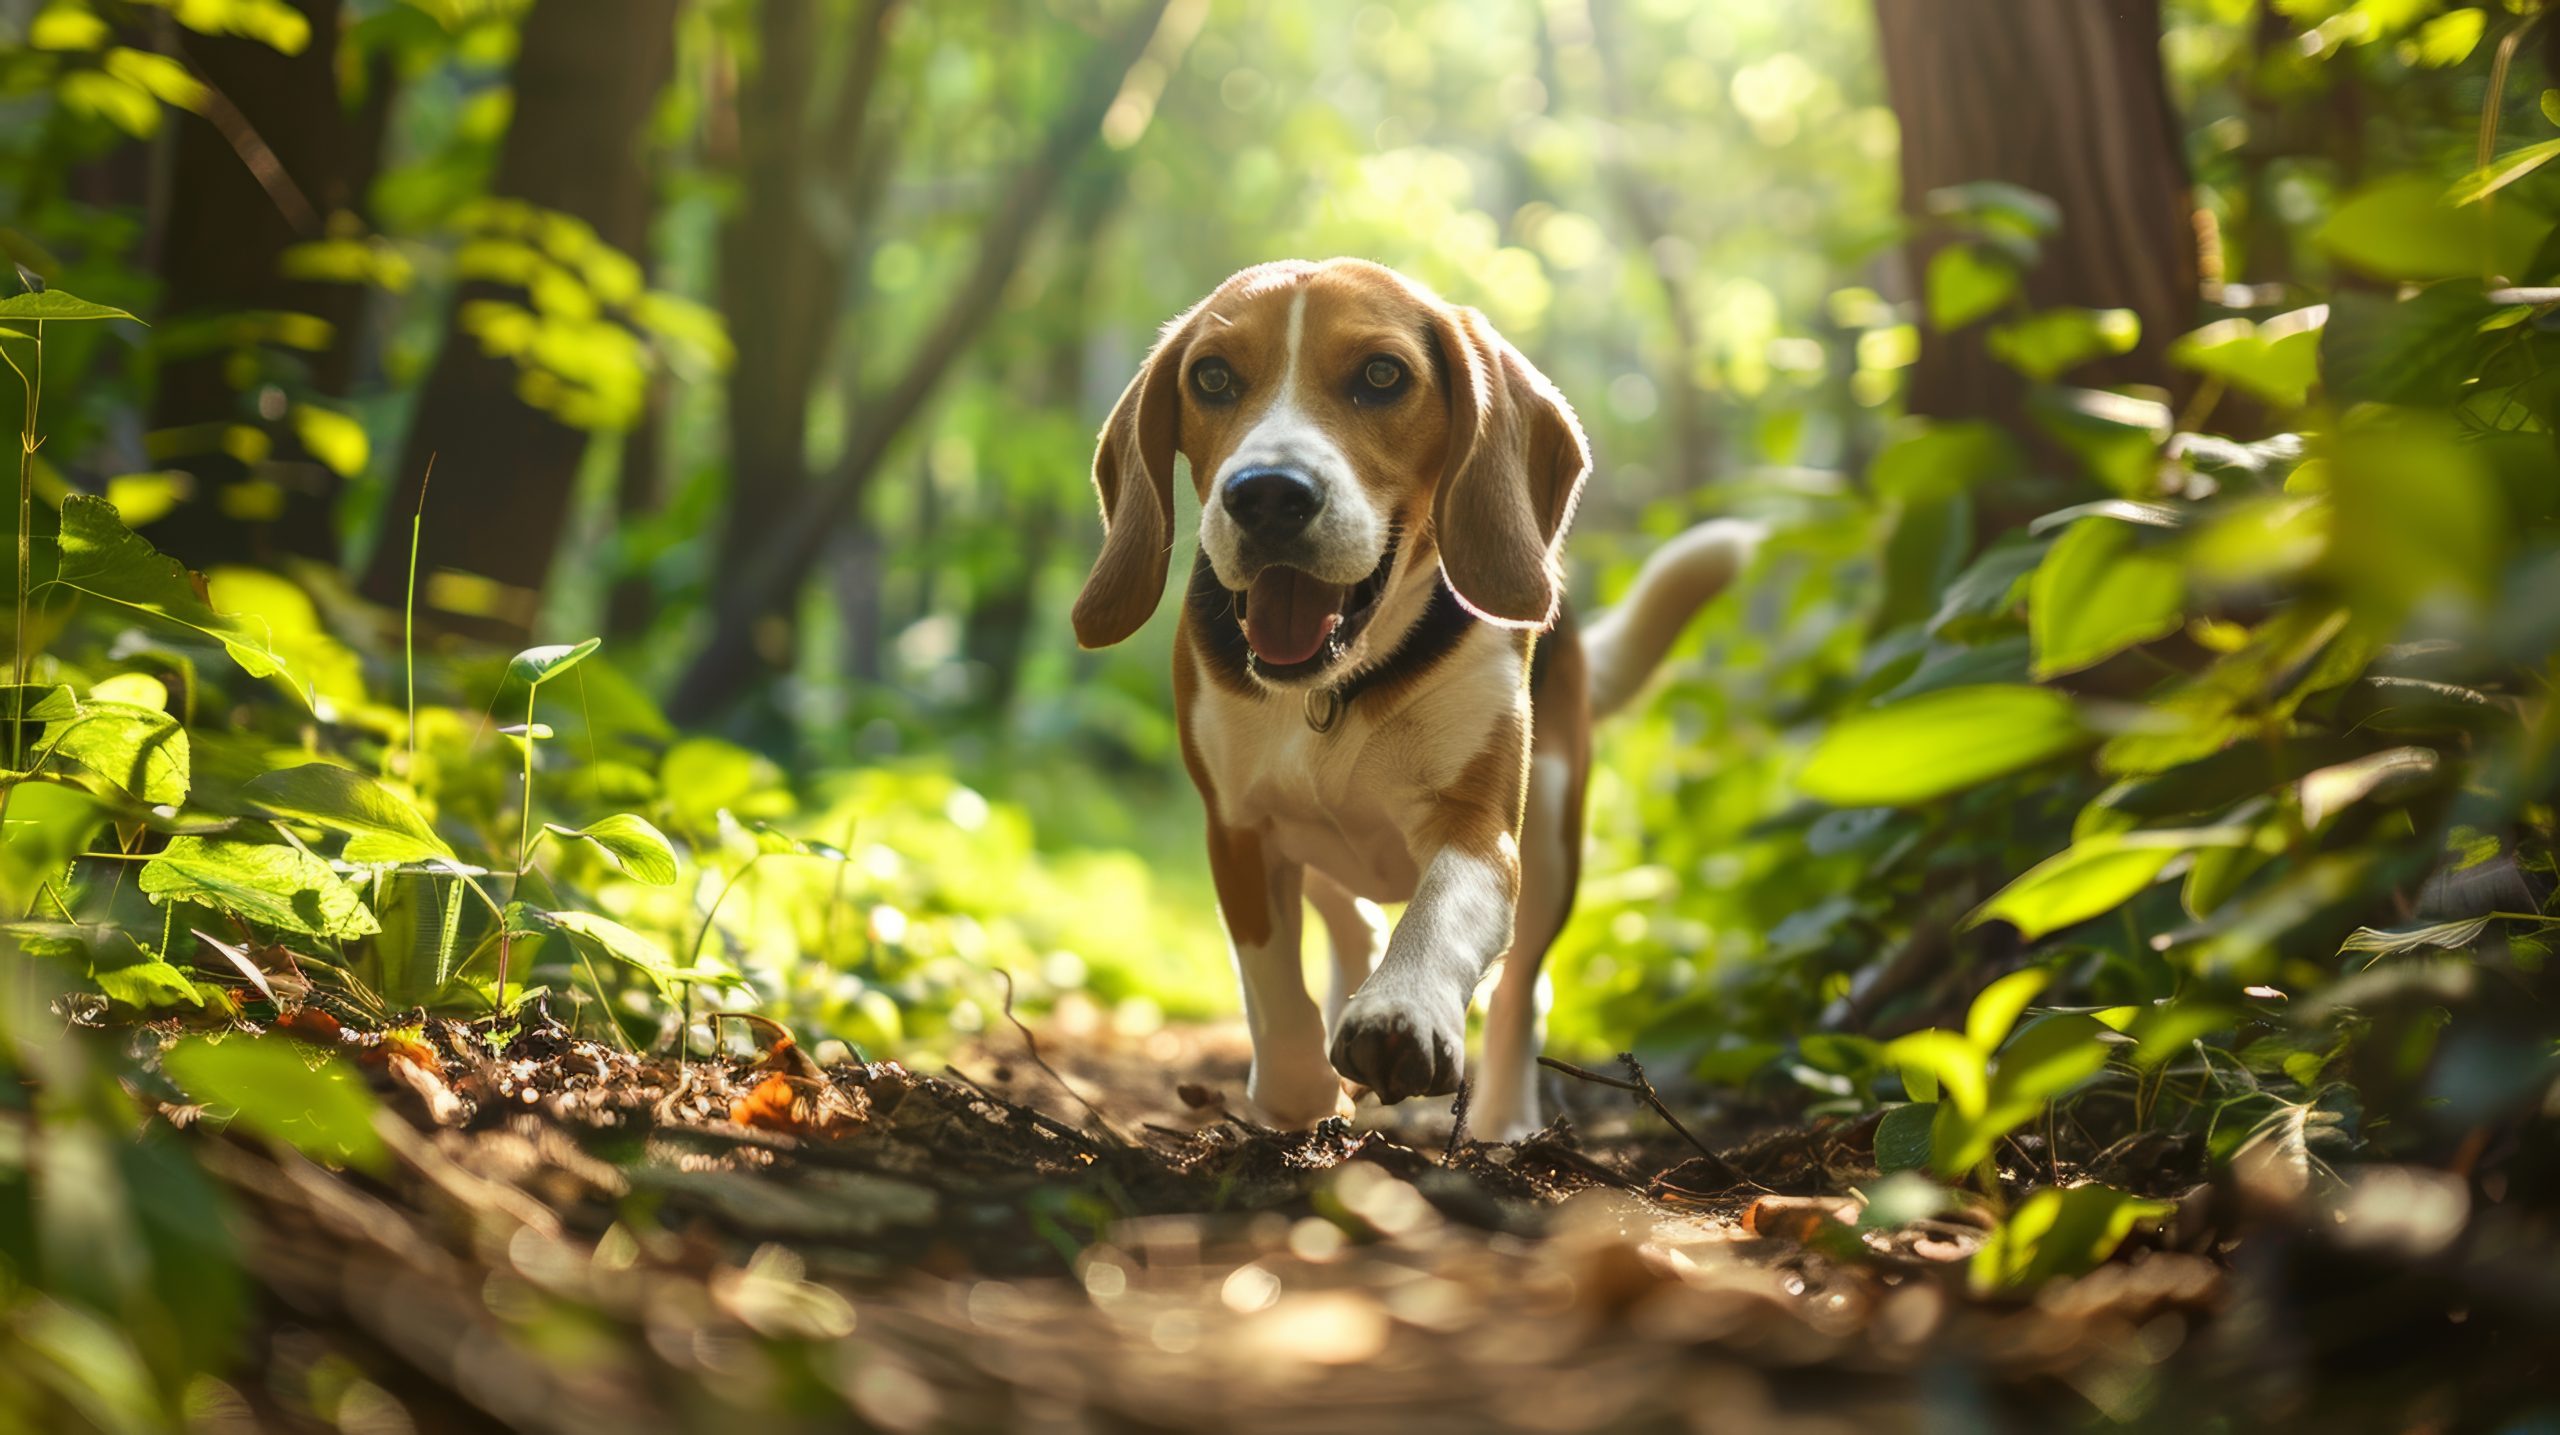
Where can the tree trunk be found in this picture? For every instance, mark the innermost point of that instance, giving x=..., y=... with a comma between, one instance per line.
x=275, y=154
x=2066, y=98
x=786, y=546
x=781, y=282
x=587, y=78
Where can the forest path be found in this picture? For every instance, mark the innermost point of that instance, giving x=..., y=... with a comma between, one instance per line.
x=572, y=1238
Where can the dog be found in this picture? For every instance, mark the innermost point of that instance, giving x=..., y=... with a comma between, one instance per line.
x=1381, y=692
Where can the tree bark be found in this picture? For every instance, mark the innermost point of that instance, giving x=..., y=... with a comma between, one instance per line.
x=275, y=155
x=587, y=78
x=787, y=546
x=2067, y=98
x=781, y=282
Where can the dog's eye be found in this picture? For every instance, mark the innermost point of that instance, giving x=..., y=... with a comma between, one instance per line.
x=1381, y=379
x=1213, y=379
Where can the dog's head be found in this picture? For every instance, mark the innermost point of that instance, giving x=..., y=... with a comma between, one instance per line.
x=1345, y=428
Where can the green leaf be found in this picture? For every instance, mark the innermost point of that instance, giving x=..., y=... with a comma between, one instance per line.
x=2420, y=350
x=1929, y=460
x=2117, y=437
x=1996, y=1009
x=1957, y=1066
x=2049, y=1057
x=2449, y=38
x=1966, y=284
x=2094, y=876
x=147, y=985
x=2503, y=171
x=2168, y=1030
x=2045, y=345
x=284, y=1091
x=336, y=440
x=380, y=825
x=1902, y=1137
x=2056, y=1233
x=1925, y=747
x=105, y=559
x=37, y=702
x=2277, y=360
x=605, y=937
x=2398, y=941
x=538, y=665
x=636, y=847
x=2097, y=593
x=139, y=750
x=2403, y=227
x=275, y=886
x=1997, y=204
x=55, y=306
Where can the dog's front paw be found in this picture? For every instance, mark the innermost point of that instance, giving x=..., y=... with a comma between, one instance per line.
x=1399, y=1046
x=1295, y=1099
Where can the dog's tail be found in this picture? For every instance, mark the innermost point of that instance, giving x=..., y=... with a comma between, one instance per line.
x=1625, y=644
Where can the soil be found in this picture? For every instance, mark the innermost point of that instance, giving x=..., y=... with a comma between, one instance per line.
x=1081, y=1235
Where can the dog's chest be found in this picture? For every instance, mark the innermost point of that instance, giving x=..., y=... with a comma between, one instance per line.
x=1349, y=801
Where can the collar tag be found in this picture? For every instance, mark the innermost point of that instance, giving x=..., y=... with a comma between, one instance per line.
x=1324, y=709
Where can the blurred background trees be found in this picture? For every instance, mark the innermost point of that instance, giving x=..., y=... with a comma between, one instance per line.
x=768, y=337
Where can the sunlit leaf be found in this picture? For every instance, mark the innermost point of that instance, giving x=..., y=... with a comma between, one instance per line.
x=2095, y=876
x=55, y=306
x=1966, y=284
x=1938, y=460
x=333, y=438
x=2051, y=1055
x=141, y=750
x=537, y=665
x=272, y=885
x=380, y=825
x=632, y=844
x=2056, y=1233
x=1925, y=747
x=2395, y=941
x=2404, y=227
x=2098, y=592
x=103, y=558
x=1996, y=1008
x=1956, y=1066
x=2045, y=345
x=284, y=1091
x=2503, y=171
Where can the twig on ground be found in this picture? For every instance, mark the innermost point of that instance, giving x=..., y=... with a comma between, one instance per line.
x=1458, y=1122
x=1643, y=1089
x=1031, y=1044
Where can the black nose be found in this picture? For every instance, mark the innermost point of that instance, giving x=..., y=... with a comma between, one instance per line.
x=1272, y=502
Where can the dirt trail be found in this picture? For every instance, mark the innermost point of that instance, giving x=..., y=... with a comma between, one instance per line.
x=576, y=1239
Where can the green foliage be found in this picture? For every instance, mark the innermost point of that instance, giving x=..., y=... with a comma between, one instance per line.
x=1925, y=747
x=284, y=1091
x=379, y=825
x=101, y=557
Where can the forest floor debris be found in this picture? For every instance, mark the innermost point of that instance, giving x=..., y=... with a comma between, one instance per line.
x=574, y=1237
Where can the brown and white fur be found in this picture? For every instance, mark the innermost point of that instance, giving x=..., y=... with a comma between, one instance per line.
x=1383, y=477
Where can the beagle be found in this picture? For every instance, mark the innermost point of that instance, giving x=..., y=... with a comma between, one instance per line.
x=1381, y=694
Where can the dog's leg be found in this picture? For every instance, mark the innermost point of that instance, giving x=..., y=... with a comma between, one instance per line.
x=1506, y=1105
x=1358, y=932
x=1404, y=1033
x=1258, y=896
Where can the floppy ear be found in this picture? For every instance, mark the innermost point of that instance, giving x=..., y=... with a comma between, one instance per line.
x=1133, y=472
x=1516, y=464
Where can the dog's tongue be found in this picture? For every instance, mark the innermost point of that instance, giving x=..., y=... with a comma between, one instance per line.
x=1288, y=615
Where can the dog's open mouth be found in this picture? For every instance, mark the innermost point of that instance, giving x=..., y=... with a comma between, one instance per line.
x=1298, y=624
